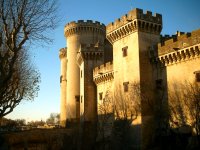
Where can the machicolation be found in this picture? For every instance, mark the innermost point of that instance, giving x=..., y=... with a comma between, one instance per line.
x=81, y=26
x=136, y=14
x=103, y=73
x=135, y=20
x=179, y=41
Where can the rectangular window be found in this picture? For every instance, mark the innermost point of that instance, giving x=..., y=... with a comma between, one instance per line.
x=77, y=97
x=81, y=98
x=101, y=96
x=125, y=84
x=159, y=83
x=125, y=51
x=61, y=78
x=197, y=76
x=81, y=73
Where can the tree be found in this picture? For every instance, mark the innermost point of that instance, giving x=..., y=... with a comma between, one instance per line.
x=36, y=123
x=184, y=105
x=22, y=22
x=127, y=109
x=23, y=84
x=121, y=108
x=105, y=118
x=126, y=105
x=20, y=122
x=53, y=118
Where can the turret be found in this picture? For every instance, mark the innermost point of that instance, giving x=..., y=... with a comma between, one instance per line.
x=78, y=33
x=63, y=85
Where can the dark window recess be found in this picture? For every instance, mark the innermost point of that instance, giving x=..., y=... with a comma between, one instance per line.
x=125, y=51
x=197, y=74
x=101, y=96
x=81, y=73
x=61, y=78
x=159, y=83
x=77, y=98
x=81, y=99
x=125, y=84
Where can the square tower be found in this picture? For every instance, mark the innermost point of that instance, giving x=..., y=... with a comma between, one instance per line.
x=133, y=37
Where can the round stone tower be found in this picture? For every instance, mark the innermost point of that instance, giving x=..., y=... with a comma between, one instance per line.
x=78, y=33
x=63, y=85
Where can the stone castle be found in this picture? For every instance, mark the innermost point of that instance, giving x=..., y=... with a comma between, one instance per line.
x=101, y=60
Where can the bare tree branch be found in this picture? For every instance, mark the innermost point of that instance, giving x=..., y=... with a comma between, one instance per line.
x=21, y=22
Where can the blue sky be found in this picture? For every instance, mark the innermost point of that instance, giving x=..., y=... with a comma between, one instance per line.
x=181, y=15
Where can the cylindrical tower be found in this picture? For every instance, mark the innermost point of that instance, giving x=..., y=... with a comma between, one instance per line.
x=63, y=86
x=78, y=33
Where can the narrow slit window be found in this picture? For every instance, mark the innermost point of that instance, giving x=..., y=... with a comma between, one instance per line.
x=101, y=96
x=77, y=97
x=197, y=76
x=81, y=98
x=159, y=83
x=125, y=51
x=125, y=84
x=61, y=78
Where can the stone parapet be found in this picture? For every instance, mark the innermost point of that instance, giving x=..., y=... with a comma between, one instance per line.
x=91, y=47
x=103, y=73
x=134, y=20
x=181, y=55
x=177, y=42
x=89, y=51
x=63, y=53
x=84, y=26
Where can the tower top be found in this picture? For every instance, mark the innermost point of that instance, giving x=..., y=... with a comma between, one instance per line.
x=132, y=15
x=135, y=20
x=83, y=26
x=63, y=52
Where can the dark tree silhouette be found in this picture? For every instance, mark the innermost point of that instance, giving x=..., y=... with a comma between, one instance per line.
x=53, y=119
x=22, y=23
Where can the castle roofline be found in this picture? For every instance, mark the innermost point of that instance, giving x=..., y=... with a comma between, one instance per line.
x=84, y=26
x=177, y=42
x=132, y=15
x=134, y=21
x=103, y=73
x=84, y=22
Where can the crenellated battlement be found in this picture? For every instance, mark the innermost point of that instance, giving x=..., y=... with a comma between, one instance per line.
x=132, y=15
x=63, y=52
x=103, y=73
x=91, y=47
x=107, y=67
x=84, y=26
x=134, y=20
x=177, y=42
x=89, y=51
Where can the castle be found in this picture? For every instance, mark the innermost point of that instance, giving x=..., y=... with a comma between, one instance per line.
x=109, y=60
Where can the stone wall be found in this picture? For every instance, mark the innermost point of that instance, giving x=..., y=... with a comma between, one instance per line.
x=40, y=139
x=63, y=86
x=77, y=33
